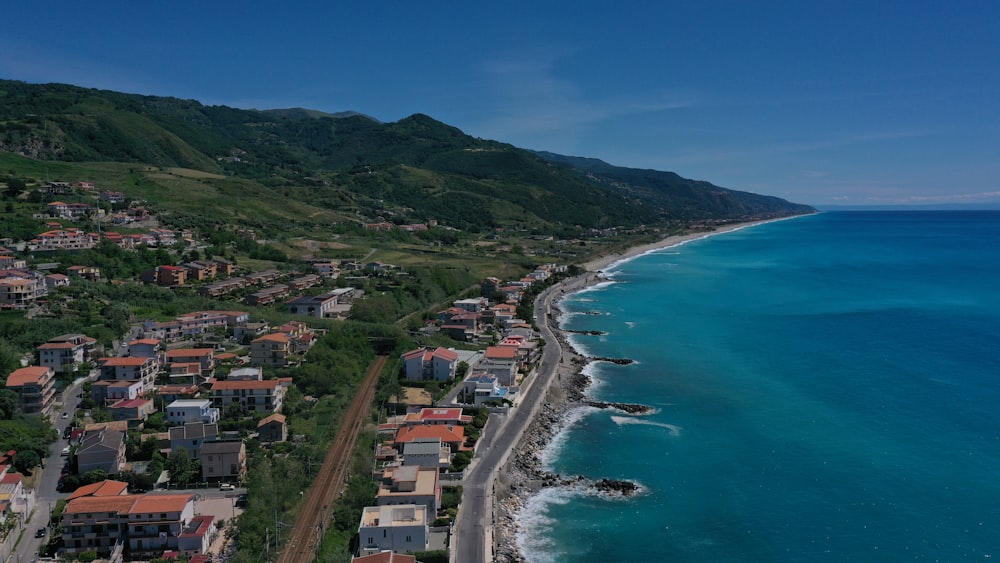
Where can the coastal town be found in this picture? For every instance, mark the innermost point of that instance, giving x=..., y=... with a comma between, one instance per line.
x=152, y=459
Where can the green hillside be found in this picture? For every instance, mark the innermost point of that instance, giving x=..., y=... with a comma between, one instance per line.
x=321, y=168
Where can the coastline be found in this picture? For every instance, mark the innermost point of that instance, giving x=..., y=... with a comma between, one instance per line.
x=523, y=475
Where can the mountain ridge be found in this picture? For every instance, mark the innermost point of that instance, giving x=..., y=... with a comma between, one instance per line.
x=416, y=168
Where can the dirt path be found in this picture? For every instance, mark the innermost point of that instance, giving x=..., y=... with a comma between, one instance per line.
x=315, y=513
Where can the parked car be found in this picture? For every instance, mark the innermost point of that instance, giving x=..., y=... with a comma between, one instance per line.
x=65, y=415
x=227, y=487
x=241, y=501
x=40, y=533
x=65, y=451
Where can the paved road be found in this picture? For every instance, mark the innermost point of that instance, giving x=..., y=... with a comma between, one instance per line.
x=473, y=538
x=46, y=494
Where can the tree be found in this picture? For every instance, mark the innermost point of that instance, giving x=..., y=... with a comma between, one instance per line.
x=8, y=404
x=26, y=460
x=180, y=467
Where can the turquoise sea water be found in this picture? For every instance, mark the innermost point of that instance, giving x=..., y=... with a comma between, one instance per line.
x=827, y=389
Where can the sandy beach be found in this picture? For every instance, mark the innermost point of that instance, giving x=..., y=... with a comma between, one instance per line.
x=523, y=475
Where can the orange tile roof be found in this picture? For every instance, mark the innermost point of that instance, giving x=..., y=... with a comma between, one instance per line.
x=501, y=352
x=188, y=352
x=276, y=337
x=250, y=384
x=442, y=431
x=125, y=362
x=385, y=557
x=85, y=505
x=26, y=376
x=151, y=503
x=276, y=417
x=105, y=488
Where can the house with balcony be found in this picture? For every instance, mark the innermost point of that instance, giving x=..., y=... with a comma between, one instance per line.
x=271, y=350
x=319, y=306
x=35, y=388
x=65, y=353
x=96, y=523
x=156, y=521
x=254, y=396
x=134, y=411
x=397, y=528
x=191, y=410
x=129, y=368
x=481, y=388
x=453, y=436
x=204, y=357
x=224, y=461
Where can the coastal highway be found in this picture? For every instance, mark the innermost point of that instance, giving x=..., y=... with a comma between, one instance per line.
x=473, y=538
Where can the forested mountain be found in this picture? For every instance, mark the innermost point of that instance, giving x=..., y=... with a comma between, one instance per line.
x=413, y=169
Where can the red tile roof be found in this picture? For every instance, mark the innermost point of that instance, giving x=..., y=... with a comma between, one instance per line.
x=151, y=503
x=27, y=376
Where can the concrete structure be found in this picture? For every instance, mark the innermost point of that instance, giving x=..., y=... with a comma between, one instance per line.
x=204, y=357
x=65, y=353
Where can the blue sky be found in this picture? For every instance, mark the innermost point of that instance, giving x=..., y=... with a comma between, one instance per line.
x=817, y=102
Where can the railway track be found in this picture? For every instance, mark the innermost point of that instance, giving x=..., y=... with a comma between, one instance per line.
x=310, y=524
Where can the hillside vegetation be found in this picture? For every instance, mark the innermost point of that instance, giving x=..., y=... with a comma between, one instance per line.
x=346, y=167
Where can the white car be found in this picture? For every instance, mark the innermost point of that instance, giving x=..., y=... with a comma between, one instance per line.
x=65, y=415
x=65, y=451
x=227, y=487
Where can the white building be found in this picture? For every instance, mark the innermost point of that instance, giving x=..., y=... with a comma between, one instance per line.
x=400, y=528
x=192, y=410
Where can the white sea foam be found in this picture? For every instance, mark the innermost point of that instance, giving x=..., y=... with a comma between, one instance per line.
x=593, y=370
x=534, y=526
x=630, y=324
x=673, y=429
x=554, y=449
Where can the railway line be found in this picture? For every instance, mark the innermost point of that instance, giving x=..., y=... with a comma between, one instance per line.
x=313, y=517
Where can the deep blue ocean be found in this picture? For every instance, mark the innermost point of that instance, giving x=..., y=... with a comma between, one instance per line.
x=827, y=388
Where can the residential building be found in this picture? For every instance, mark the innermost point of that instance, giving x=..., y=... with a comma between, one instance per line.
x=246, y=374
x=101, y=449
x=480, y=388
x=35, y=388
x=272, y=428
x=256, y=396
x=129, y=369
x=437, y=415
x=438, y=364
x=224, y=461
x=385, y=557
x=427, y=452
x=135, y=411
x=192, y=436
x=410, y=484
x=65, y=353
x=156, y=521
x=96, y=523
x=319, y=306
x=270, y=350
x=401, y=528
x=204, y=357
x=453, y=436
x=191, y=410
x=144, y=348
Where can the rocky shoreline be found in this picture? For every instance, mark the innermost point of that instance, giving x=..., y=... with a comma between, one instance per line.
x=523, y=476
